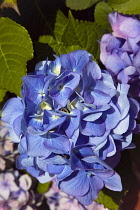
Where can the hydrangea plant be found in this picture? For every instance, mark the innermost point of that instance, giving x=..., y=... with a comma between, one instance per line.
x=69, y=120
x=71, y=123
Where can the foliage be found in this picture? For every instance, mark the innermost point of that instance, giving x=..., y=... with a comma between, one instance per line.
x=130, y=7
x=2, y=94
x=15, y=50
x=102, y=10
x=80, y=5
x=42, y=188
x=72, y=34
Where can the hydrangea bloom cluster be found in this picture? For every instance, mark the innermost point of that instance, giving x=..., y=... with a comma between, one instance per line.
x=6, y=146
x=71, y=123
x=120, y=51
x=14, y=195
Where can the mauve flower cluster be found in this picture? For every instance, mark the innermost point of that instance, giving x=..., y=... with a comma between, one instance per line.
x=6, y=146
x=120, y=51
x=14, y=194
x=71, y=123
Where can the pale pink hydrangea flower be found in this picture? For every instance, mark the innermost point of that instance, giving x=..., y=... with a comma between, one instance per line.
x=124, y=26
x=7, y=185
x=2, y=164
x=13, y=196
x=6, y=144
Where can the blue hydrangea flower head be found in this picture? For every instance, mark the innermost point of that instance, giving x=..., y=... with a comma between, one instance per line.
x=71, y=123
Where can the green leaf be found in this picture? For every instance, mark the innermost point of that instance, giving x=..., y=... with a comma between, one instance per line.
x=131, y=7
x=42, y=188
x=56, y=43
x=106, y=200
x=2, y=94
x=15, y=50
x=47, y=39
x=80, y=4
x=74, y=35
x=111, y=199
x=10, y=3
x=84, y=34
x=60, y=25
x=102, y=10
x=118, y=1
